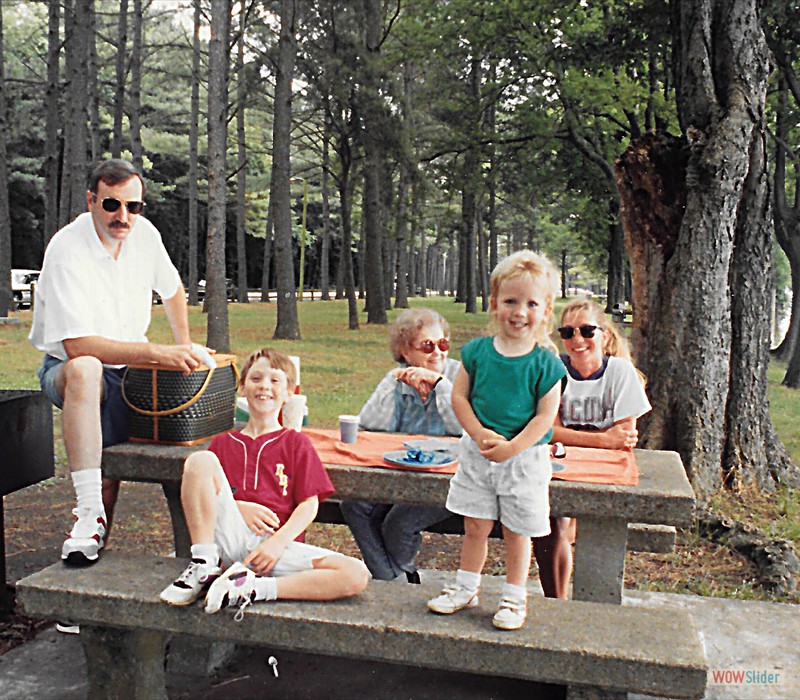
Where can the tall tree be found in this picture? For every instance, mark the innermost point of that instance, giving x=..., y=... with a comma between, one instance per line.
x=5, y=215
x=119, y=79
x=288, y=325
x=705, y=283
x=241, y=160
x=216, y=302
x=787, y=232
x=324, y=261
x=194, y=133
x=51, y=146
x=371, y=111
x=134, y=114
x=74, y=172
x=93, y=87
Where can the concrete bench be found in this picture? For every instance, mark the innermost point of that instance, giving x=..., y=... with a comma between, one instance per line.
x=601, y=651
x=658, y=539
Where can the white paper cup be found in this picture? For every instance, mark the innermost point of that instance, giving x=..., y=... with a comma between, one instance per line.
x=348, y=428
x=293, y=411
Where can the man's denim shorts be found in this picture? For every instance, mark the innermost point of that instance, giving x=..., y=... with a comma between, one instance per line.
x=113, y=411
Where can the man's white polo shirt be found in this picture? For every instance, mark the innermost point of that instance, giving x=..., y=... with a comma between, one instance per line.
x=84, y=291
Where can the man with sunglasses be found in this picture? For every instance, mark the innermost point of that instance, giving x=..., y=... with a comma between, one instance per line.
x=91, y=315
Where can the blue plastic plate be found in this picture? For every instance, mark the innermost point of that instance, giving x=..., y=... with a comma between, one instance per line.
x=431, y=445
x=400, y=457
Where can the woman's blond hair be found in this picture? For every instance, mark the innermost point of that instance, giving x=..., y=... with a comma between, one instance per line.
x=614, y=344
x=407, y=326
x=538, y=268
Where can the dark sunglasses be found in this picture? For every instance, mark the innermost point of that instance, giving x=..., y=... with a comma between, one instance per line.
x=110, y=204
x=428, y=346
x=587, y=331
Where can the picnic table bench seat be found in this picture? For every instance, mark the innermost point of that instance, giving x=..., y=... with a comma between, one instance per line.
x=657, y=539
x=597, y=650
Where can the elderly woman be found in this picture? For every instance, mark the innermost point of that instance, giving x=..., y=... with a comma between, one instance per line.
x=412, y=398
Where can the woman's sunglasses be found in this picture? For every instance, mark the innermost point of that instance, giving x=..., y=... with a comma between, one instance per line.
x=110, y=204
x=587, y=331
x=428, y=346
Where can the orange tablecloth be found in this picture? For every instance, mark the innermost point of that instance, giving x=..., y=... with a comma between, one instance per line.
x=586, y=464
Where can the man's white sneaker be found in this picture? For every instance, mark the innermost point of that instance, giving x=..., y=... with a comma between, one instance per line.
x=510, y=614
x=235, y=587
x=190, y=584
x=453, y=599
x=87, y=538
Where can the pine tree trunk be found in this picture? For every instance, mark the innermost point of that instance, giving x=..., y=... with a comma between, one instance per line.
x=371, y=113
x=325, y=254
x=401, y=242
x=134, y=115
x=699, y=246
x=216, y=302
x=93, y=88
x=346, y=256
x=288, y=325
x=753, y=455
x=241, y=165
x=119, y=79
x=74, y=173
x=267, y=259
x=194, y=132
x=5, y=211
x=52, y=121
x=787, y=232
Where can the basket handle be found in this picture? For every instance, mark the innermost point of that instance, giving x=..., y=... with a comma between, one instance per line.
x=177, y=409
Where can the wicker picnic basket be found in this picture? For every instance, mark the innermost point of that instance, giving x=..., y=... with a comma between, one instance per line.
x=170, y=408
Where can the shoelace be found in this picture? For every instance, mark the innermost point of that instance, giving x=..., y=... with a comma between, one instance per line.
x=186, y=576
x=239, y=616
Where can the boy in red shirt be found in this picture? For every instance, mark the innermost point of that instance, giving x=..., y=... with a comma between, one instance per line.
x=248, y=500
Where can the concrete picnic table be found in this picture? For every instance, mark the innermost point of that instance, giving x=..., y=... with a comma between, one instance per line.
x=663, y=496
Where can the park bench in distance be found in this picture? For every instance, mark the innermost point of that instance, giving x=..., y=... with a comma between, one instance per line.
x=600, y=651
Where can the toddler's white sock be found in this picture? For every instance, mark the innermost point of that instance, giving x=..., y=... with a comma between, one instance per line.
x=512, y=592
x=209, y=553
x=88, y=485
x=468, y=579
x=266, y=588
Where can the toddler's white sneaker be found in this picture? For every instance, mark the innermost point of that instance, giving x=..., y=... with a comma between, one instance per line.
x=452, y=599
x=510, y=614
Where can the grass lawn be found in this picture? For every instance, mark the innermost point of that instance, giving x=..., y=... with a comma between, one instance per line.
x=339, y=369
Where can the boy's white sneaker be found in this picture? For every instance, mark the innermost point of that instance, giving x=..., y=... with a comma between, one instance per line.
x=190, y=584
x=453, y=599
x=510, y=614
x=235, y=587
x=86, y=539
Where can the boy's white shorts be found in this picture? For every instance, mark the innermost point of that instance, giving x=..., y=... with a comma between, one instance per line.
x=236, y=540
x=515, y=492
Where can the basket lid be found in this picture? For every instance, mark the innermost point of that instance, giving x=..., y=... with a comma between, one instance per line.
x=223, y=360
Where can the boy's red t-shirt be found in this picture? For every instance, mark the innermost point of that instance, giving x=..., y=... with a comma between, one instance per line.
x=279, y=470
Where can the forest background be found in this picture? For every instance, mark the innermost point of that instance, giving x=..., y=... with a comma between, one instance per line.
x=376, y=151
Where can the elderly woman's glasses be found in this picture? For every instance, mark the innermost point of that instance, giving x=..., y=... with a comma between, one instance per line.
x=428, y=346
x=587, y=331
